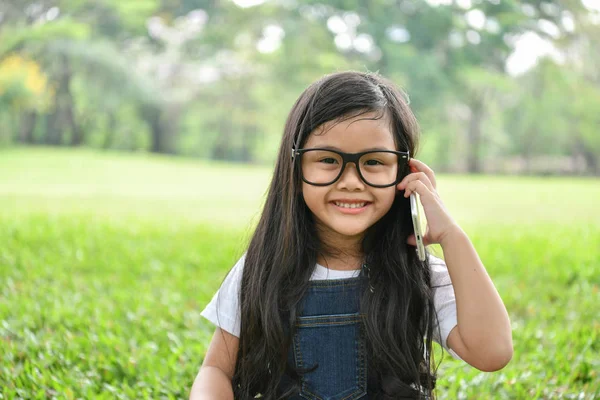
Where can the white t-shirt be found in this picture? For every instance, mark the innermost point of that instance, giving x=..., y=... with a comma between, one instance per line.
x=224, y=310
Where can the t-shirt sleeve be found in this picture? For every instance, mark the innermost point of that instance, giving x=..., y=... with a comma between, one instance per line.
x=444, y=302
x=224, y=308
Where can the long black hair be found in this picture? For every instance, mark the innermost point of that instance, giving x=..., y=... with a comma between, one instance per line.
x=283, y=251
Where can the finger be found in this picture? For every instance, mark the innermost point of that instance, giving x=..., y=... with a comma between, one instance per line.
x=416, y=176
x=417, y=186
x=426, y=240
x=422, y=167
x=411, y=240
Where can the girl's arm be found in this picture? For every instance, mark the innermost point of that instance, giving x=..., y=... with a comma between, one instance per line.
x=214, y=379
x=483, y=335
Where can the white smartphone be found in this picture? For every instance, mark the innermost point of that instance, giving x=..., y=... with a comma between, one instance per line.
x=416, y=219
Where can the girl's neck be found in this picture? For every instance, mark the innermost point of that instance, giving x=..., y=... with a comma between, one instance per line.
x=340, y=262
x=340, y=253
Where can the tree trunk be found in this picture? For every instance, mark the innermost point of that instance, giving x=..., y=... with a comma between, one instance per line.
x=591, y=164
x=529, y=150
x=163, y=121
x=63, y=118
x=157, y=134
x=591, y=161
x=28, y=122
x=221, y=149
x=110, y=134
x=153, y=115
x=171, y=120
x=53, y=132
x=474, y=136
x=77, y=133
x=248, y=143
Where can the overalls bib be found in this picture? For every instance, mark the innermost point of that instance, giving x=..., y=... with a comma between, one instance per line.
x=329, y=341
x=330, y=344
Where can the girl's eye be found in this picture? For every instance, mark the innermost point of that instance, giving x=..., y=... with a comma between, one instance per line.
x=329, y=160
x=373, y=163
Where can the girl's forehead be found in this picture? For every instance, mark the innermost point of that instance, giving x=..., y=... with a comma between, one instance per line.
x=364, y=131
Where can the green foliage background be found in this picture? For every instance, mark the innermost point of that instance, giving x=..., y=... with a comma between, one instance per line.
x=215, y=79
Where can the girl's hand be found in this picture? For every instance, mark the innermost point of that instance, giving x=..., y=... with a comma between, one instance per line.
x=439, y=221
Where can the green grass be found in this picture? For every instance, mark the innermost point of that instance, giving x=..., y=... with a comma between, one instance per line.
x=106, y=261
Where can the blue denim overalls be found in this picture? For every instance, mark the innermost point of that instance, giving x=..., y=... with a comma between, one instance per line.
x=329, y=341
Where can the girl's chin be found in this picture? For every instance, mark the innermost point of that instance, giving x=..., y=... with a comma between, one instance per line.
x=344, y=227
x=350, y=231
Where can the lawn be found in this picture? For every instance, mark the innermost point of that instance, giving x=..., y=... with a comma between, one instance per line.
x=106, y=261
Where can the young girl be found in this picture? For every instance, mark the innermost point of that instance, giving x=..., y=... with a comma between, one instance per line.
x=330, y=301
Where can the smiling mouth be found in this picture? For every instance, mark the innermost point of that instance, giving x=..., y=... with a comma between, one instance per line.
x=350, y=205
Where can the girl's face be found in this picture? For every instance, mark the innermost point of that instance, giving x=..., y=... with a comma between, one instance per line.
x=330, y=204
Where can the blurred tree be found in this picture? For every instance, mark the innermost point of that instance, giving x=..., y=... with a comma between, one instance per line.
x=433, y=43
x=23, y=85
x=537, y=121
x=51, y=32
x=583, y=87
x=31, y=41
x=216, y=79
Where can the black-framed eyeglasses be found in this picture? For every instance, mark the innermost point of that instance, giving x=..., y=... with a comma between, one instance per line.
x=377, y=168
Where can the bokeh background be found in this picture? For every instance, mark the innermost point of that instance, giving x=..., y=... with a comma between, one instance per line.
x=137, y=139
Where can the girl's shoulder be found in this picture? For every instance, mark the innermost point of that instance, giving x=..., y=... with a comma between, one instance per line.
x=239, y=265
x=234, y=277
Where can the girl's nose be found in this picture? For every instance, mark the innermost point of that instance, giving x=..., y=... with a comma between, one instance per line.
x=350, y=178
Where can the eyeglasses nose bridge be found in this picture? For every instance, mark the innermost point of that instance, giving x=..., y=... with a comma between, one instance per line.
x=351, y=160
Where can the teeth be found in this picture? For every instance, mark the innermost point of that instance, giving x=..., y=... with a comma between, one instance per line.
x=348, y=205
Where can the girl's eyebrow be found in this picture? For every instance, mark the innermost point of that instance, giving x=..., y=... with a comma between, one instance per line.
x=338, y=149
